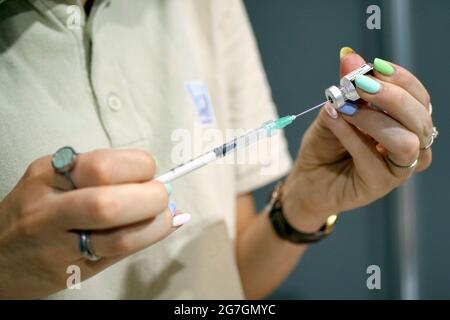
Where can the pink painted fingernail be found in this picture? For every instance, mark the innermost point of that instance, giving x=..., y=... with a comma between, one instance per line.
x=180, y=219
x=331, y=111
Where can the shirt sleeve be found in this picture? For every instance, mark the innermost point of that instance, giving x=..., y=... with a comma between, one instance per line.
x=250, y=102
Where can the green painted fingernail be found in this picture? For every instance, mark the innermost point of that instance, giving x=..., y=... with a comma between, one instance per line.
x=383, y=67
x=367, y=84
x=155, y=160
x=169, y=188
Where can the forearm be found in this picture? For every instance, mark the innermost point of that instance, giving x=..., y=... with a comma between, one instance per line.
x=264, y=259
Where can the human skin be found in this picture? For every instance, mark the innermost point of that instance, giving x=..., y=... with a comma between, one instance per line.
x=339, y=167
x=126, y=211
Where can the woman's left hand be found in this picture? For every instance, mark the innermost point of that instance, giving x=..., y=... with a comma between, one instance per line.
x=347, y=161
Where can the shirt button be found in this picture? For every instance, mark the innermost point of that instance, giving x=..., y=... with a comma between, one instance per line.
x=114, y=102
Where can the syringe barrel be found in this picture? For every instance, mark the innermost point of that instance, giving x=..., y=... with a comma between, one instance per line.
x=210, y=156
x=242, y=141
x=187, y=167
x=252, y=136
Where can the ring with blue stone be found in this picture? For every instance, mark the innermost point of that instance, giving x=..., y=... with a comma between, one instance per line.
x=63, y=161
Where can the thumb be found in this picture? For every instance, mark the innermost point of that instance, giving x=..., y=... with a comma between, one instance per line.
x=349, y=61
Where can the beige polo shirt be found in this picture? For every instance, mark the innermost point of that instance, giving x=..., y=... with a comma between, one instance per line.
x=173, y=77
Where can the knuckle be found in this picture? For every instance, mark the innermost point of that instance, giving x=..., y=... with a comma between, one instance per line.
x=148, y=159
x=404, y=97
x=423, y=166
x=409, y=81
x=35, y=169
x=425, y=161
x=427, y=128
x=160, y=196
x=427, y=98
x=99, y=170
x=410, y=146
x=106, y=207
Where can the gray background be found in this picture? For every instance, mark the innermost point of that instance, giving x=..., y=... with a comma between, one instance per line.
x=299, y=43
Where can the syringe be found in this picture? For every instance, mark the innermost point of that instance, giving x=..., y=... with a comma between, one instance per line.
x=264, y=131
x=337, y=96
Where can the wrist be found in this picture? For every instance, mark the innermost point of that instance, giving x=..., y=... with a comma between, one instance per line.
x=297, y=213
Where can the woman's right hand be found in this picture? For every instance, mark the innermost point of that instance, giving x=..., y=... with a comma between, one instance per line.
x=115, y=199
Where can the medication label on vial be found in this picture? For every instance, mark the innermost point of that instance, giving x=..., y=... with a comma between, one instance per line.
x=364, y=69
x=198, y=93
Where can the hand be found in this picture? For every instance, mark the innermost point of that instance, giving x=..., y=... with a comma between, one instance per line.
x=342, y=160
x=115, y=199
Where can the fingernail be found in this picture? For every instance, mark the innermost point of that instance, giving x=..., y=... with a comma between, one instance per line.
x=169, y=188
x=345, y=51
x=384, y=67
x=331, y=111
x=155, y=160
x=367, y=84
x=172, y=207
x=180, y=219
x=349, y=109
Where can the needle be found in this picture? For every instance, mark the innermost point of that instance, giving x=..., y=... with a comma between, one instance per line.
x=230, y=146
x=310, y=109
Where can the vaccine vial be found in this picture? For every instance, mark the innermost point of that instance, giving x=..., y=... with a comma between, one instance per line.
x=347, y=90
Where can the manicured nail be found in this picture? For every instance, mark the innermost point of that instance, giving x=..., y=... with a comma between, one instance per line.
x=349, y=109
x=180, y=219
x=172, y=207
x=345, y=51
x=383, y=67
x=367, y=84
x=331, y=111
x=169, y=188
x=155, y=160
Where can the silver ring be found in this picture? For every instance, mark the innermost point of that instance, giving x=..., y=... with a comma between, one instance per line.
x=412, y=165
x=434, y=135
x=63, y=160
x=69, y=178
x=85, y=246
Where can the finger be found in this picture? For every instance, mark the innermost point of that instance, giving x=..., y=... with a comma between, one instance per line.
x=401, y=144
x=41, y=170
x=400, y=77
x=425, y=159
x=130, y=239
x=392, y=73
x=400, y=105
x=110, y=206
x=349, y=63
x=108, y=167
x=365, y=157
